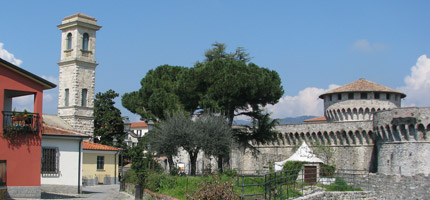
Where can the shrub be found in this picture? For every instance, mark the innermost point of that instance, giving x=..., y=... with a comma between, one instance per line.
x=327, y=170
x=130, y=176
x=153, y=181
x=230, y=173
x=271, y=167
x=292, y=169
x=215, y=190
x=174, y=171
x=341, y=185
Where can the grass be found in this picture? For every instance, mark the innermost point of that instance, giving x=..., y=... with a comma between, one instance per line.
x=181, y=186
x=340, y=185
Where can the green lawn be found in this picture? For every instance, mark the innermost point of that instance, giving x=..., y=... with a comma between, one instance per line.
x=181, y=186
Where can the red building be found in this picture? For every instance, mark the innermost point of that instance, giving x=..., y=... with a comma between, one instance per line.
x=20, y=132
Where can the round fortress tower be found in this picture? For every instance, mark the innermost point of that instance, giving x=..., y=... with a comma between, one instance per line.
x=357, y=101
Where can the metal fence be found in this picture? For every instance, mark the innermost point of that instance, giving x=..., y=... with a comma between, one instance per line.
x=294, y=183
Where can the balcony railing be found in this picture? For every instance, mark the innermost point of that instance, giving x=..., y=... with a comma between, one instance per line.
x=20, y=122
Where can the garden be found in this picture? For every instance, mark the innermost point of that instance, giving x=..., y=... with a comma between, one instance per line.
x=230, y=185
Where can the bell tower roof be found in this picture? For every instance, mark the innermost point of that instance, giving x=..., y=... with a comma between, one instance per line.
x=79, y=19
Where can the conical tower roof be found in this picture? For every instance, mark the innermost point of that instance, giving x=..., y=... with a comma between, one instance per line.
x=363, y=85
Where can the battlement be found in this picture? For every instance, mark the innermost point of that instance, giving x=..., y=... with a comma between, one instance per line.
x=325, y=133
x=403, y=125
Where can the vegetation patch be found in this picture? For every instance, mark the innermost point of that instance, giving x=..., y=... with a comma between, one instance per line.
x=292, y=169
x=341, y=185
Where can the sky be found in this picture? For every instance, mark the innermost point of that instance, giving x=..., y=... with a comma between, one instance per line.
x=313, y=45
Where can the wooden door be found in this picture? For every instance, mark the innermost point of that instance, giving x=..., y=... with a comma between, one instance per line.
x=310, y=174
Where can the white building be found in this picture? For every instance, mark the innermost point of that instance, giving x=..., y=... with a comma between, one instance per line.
x=137, y=130
x=61, y=160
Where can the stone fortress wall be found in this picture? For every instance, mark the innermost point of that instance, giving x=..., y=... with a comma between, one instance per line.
x=404, y=142
x=352, y=142
x=365, y=127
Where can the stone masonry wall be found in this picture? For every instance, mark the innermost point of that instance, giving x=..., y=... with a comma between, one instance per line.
x=400, y=187
x=403, y=141
x=351, y=142
x=339, y=195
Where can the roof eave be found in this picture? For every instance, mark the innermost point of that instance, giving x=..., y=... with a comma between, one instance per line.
x=41, y=81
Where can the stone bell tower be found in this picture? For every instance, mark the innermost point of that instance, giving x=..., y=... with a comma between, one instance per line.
x=77, y=71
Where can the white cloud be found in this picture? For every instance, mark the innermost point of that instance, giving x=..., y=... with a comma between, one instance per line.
x=51, y=79
x=305, y=103
x=364, y=45
x=24, y=102
x=4, y=54
x=417, y=86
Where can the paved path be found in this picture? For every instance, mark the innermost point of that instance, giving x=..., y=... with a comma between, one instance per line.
x=99, y=192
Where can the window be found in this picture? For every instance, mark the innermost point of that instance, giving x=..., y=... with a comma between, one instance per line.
x=66, y=97
x=49, y=161
x=350, y=95
x=84, y=97
x=69, y=41
x=330, y=97
x=396, y=97
x=363, y=95
x=85, y=42
x=388, y=96
x=100, y=162
x=3, y=173
x=339, y=96
x=377, y=96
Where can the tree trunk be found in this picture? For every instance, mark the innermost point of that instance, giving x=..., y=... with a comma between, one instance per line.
x=170, y=160
x=193, y=160
x=220, y=170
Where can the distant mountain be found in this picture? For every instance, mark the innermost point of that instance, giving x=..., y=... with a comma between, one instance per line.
x=295, y=120
x=241, y=122
x=287, y=120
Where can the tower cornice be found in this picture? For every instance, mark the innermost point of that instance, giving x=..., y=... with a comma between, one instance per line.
x=80, y=24
x=78, y=62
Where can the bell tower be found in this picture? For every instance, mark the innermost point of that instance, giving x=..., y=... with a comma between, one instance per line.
x=77, y=72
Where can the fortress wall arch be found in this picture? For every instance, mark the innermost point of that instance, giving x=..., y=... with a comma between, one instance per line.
x=412, y=132
x=327, y=138
x=407, y=148
x=360, y=114
x=320, y=138
x=421, y=133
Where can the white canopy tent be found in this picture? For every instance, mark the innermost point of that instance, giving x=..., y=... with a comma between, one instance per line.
x=303, y=154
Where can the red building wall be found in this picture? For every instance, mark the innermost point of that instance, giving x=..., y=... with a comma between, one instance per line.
x=22, y=153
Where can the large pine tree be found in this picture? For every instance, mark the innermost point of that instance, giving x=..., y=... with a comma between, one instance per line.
x=108, y=123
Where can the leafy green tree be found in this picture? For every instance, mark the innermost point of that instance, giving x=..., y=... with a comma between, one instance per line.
x=260, y=131
x=139, y=163
x=207, y=132
x=225, y=83
x=234, y=87
x=108, y=122
x=180, y=129
x=163, y=145
x=217, y=135
x=159, y=94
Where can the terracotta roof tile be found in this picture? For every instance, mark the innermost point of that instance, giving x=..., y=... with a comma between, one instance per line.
x=362, y=85
x=53, y=130
x=95, y=146
x=316, y=119
x=138, y=125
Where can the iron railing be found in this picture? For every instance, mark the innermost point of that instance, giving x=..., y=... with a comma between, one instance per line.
x=294, y=183
x=20, y=122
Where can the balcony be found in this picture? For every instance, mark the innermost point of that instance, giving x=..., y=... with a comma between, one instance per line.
x=20, y=122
